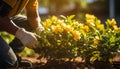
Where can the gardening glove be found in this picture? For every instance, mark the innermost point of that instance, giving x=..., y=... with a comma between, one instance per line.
x=27, y=38
x=39, y=29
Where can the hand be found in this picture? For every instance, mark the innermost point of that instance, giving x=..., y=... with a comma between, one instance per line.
x=39, y=29
x=27, y=38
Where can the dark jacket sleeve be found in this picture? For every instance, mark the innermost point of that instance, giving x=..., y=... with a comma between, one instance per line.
x=7, y=25
x=4, y=9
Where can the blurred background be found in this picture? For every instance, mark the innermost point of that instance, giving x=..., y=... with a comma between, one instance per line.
x=103, y=9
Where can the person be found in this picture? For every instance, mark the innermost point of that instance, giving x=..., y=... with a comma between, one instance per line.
x=22, y=27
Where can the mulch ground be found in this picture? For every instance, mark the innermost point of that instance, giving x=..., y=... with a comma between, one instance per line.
x=78, y=64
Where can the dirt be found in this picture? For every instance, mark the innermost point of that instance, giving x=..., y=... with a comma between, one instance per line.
x=77, y=64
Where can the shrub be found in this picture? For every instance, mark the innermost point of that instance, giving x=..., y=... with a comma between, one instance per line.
x=66, y=38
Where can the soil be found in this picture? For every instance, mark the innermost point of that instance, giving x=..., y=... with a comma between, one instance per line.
x=77, y=64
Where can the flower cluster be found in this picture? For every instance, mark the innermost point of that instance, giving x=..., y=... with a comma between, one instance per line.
x=65, y=37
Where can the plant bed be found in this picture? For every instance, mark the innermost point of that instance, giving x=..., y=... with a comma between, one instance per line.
x=92, y=40
x=102, y=65
x=69, y=65
x=75, y=65
x=116, y=65
x=61, y=64
x=65, y=37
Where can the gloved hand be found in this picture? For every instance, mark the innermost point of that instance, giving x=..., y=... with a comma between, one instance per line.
x=27, y=38
x=39, y=29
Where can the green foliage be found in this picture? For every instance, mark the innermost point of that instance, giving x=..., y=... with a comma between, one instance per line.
x=65, y=37
x=6, y=36
x=28, y=53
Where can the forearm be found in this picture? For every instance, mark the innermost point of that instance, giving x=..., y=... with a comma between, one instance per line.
x=32, y=13
x=34, y=20
x=7, y=25
x=27, y=38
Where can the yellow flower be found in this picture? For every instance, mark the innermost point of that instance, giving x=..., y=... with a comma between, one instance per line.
x=53, y=28
x=95, y=41
x=63, y=25
x=68, y=28
x=86, y=28
x=90, y=17
x=115, y=28
x=97, y=37
x=57, y=29
x=60, y=22
x=98, y=21
x=76, y=35
x=76, y=23
x=100, y=27
x=90, y=22
x=54, y=18
x=81, y=26
x=47, y=23
x=112, y=22
x=118, y=28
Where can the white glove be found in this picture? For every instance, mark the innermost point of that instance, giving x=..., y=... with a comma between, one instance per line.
x=39, y=29
x=27, y=38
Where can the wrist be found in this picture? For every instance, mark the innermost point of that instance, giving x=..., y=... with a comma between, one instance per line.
x=39, y=29
x=27, y=38
x=34, y=22
x=19, y=33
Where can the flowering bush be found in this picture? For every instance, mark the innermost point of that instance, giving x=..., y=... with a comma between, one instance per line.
x=65, y=37
x=101, y=42
x=58, y=40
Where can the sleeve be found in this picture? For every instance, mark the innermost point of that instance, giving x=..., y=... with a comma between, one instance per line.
x=8, y=25
x=32, y=13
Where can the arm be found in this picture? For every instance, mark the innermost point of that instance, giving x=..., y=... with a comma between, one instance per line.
x=27, y=38
x=33, y=16
x=7, y=25
x=32, y=13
